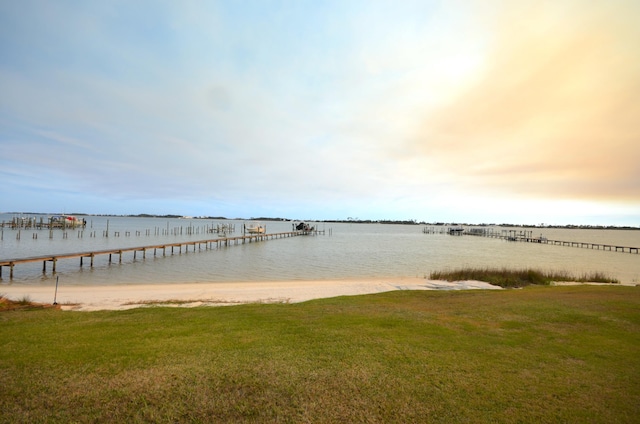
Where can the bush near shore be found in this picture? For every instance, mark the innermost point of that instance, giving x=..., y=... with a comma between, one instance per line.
x=541, y=354
x=510, y=278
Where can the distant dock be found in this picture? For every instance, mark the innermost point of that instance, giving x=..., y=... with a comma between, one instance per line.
x=527, y=237
x=56, y=221
x=208, y=244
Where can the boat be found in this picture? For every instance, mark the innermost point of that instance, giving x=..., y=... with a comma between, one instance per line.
x=456, y=231
x=254, y=228
x=304, y=227
x=66, y=221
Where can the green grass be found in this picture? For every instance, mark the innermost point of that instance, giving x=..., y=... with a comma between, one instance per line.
x=541, y=354
x=510, y=278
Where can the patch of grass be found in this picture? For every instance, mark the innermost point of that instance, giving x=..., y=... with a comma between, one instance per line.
x=541, y=354
x=209, y=302
x=595, y=277
x=510, y=278
x=24, y=300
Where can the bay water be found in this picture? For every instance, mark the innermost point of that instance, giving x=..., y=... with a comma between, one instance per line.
x=345, y=251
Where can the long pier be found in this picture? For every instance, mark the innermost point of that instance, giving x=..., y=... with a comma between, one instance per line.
x=526, y=236
x=208, y=244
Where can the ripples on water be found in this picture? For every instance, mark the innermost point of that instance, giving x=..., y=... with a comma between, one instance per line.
x=350, y=251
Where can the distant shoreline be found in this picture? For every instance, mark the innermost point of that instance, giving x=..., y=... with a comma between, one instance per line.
x=344, y=221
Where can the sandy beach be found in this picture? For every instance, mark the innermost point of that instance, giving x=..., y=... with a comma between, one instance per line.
x=120, y=297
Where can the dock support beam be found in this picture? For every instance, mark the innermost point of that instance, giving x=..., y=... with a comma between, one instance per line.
x=10, y=270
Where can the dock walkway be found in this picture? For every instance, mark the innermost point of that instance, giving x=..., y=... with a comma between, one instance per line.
x=528, y=238
x=208, y=244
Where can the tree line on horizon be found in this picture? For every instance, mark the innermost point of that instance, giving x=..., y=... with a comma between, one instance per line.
x=350, y=221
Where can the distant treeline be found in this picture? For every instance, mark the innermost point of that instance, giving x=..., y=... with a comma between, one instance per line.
x=374, y=221
x=354, y=221
x=146, y=215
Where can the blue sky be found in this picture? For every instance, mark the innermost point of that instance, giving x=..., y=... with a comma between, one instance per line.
x=518, y=111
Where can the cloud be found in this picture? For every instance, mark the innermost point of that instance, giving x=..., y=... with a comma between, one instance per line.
x=552, y=116
x=364, y=107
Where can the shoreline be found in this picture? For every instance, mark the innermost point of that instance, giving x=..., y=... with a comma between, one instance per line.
x=128, y=296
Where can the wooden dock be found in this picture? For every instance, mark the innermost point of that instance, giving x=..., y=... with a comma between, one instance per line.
x=527, y=237
x=208, y=244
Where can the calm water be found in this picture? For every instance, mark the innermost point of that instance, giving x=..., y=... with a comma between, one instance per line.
x=348, y=251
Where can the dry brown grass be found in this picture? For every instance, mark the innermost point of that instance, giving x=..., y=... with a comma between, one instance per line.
x=513, y=278
x=7, y=304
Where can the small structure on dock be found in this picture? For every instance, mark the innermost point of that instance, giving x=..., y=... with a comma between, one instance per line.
x=456, y=231
x=477, y=231
x=66, y=221
x=254, y=228
x=302, y=226
x=223, y=229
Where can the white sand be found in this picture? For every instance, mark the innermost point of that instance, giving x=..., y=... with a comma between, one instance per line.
x=118, y=297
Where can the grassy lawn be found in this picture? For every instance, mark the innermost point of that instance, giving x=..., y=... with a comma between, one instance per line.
x=538, y=354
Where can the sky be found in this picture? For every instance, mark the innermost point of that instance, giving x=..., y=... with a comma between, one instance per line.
x=518, y=111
